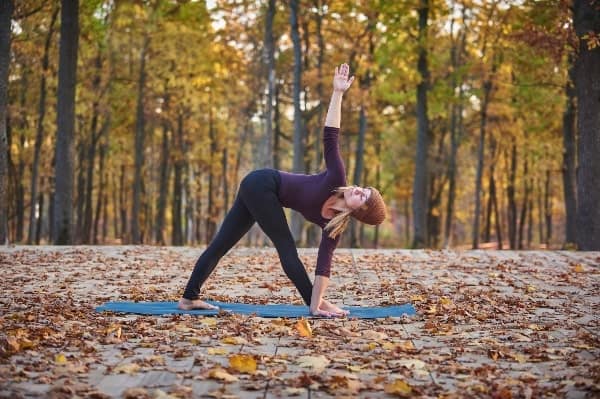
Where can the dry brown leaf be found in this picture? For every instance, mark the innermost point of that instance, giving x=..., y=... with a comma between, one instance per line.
x=129, y=368
x=374, y=335
x=218, y=373
x=398, y=387
x=60, y=359
x=303, y=328
x=243, y=363
x=217, y=351
x=234, y=341
x=316, y=363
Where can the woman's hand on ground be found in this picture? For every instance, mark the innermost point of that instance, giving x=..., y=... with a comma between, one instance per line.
x=341, y=82
x=189, y=304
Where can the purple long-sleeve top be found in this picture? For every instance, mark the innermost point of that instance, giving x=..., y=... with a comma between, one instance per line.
x=307, y=194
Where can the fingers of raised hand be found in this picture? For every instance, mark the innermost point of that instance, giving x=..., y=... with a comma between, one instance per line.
x=345, y=69
x=350, y=81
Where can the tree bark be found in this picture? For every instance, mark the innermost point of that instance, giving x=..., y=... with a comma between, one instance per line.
x=487, y=89
x=95, y=135
x=525, y=206
x=510, y=190
x=569, y=156
x=39, y=136
x=548, y=207
x=298, y=162
x=165, y=169
x=269, y=62
x=123, y=206
x=80, y=189
x=140, y=122
x=318, y=4
x=102, y=197
x=6, y=11
x=586, y=18
x=178, y=165
x=420, y=184
x=20, y=187
x=211, y=223
x=67, y=80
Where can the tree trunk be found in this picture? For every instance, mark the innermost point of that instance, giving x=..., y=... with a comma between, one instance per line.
x=39, y=136
x=225, y=166
x=378, y=183
x=587, y=72
x=178, y=165
x=487, y=89
x=420, y=196
x=497, y=220
x=40, y=215
x=140, y=121
x=298, y=162
x=525, y=202
x=510, y=190
x=65, y=111
x=91, y=156
x=548, y=207
x=569, y=154
x=6, y=10
x=19, y=177
x=123, y=206
x=102, y=197
x=80, y=189
x=318, y=4
x=456, y=53
x=277, y=133
x=488, y=214
x=211, y=224
x=530, y=223
x=115, y=201
x=358, y=168
x=269, y=62
x=165, y=167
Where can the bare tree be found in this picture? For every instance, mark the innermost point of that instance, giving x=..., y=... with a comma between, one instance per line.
x=65, y=115
x=6, y=11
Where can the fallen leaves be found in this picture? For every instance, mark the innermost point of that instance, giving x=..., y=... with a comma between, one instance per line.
x=399, y=387
x=303, y=328
x=472, y=310
x=219, y=373
x=243, y=363
x=129, y=368
x=316, y=363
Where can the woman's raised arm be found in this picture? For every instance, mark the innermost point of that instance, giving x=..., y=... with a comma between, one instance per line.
x=341, y=83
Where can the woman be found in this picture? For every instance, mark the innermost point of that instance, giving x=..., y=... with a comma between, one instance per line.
x=322, y=199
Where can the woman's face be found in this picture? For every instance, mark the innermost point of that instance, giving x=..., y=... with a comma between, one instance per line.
x=356, y=196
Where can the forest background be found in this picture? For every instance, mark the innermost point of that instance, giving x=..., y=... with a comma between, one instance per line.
x=134, y=121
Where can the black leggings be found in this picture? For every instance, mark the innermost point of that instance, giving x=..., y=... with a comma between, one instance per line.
x=256, y=201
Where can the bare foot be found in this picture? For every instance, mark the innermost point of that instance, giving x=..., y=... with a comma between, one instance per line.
x=188, y=304
x=328, y=307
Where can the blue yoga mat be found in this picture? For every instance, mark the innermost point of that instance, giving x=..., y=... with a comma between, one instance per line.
x=273, y=310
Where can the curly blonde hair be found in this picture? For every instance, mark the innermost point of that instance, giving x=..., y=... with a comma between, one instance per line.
x=339, y=222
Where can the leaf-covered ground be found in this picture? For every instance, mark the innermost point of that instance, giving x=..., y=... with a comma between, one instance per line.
x=496, y=324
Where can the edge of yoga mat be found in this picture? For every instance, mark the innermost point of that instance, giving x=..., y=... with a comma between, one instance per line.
x=271, y=310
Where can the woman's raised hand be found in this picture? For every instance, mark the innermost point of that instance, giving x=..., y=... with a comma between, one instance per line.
x=341, y=82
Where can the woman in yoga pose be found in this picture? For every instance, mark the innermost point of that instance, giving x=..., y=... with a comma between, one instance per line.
x=322, y=199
